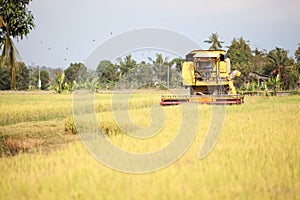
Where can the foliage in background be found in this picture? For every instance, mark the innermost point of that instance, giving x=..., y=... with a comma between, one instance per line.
x=240, y=56
x=160, y=72
x=279, y=65
x=275, y=83
x=107, y=72
x=76, y=72
x=272, y=63
x=23, y=78
x=91, y=85
x=178, y=63
x=297, y=64
x=127, y=64
x=15, y=21
x=59, y=85
x=4, y=79
x=160, y=67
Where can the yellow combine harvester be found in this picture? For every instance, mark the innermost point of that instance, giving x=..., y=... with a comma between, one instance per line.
x=208, y=75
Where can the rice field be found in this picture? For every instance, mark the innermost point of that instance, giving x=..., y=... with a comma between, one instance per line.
x=256, y=157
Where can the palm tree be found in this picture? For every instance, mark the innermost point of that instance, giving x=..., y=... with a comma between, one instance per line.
x=278, y=58
x=9, y=54
x=159, y=60
x=213, y=39
x=178, y=63
x=160, y=65
x=128, y=64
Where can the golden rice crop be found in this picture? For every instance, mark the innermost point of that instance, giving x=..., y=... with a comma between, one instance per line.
x=256, y=157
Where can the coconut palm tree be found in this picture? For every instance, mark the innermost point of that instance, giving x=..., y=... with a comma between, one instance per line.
x=213, y=39
x=9, y=54
x=127, y=64
x=279, y=61
x=160, y=66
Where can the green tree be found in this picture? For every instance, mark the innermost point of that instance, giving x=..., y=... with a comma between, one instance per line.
x=4, y=79
x=143, y=74
x=77, y=72
x=293, y=78
x=297, y=54
x=178, y=63
x=297, y=57
x=107, y=72
x=18, y=19
x=213, y=39
x=239, y=51
x=297, y=64
x=127, y=64
x=45, y=78
x=279, y=64
x=240, y=55
x=22, y=77
x=259, y=60
x=15, y=21
x=160, y=67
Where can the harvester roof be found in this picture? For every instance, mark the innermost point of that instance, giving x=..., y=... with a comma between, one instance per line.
x=204, y=54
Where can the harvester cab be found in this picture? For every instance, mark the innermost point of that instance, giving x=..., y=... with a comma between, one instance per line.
x=208, y=75
x=207, y=72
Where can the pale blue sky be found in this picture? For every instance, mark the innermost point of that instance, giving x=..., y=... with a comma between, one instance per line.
x=69, y=30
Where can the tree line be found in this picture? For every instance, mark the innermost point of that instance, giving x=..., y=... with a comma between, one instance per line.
x=276, y=64
x=161, y=72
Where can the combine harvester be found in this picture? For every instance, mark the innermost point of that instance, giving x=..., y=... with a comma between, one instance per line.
x=208, y=75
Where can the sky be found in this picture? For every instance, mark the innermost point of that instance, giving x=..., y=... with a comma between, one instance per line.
x=68, y=31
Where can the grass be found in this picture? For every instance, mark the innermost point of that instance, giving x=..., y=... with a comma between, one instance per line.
x=16, y=108
x=38, y=136
x=256, y=157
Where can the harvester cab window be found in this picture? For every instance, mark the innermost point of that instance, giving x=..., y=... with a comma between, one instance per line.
x=203, y=70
